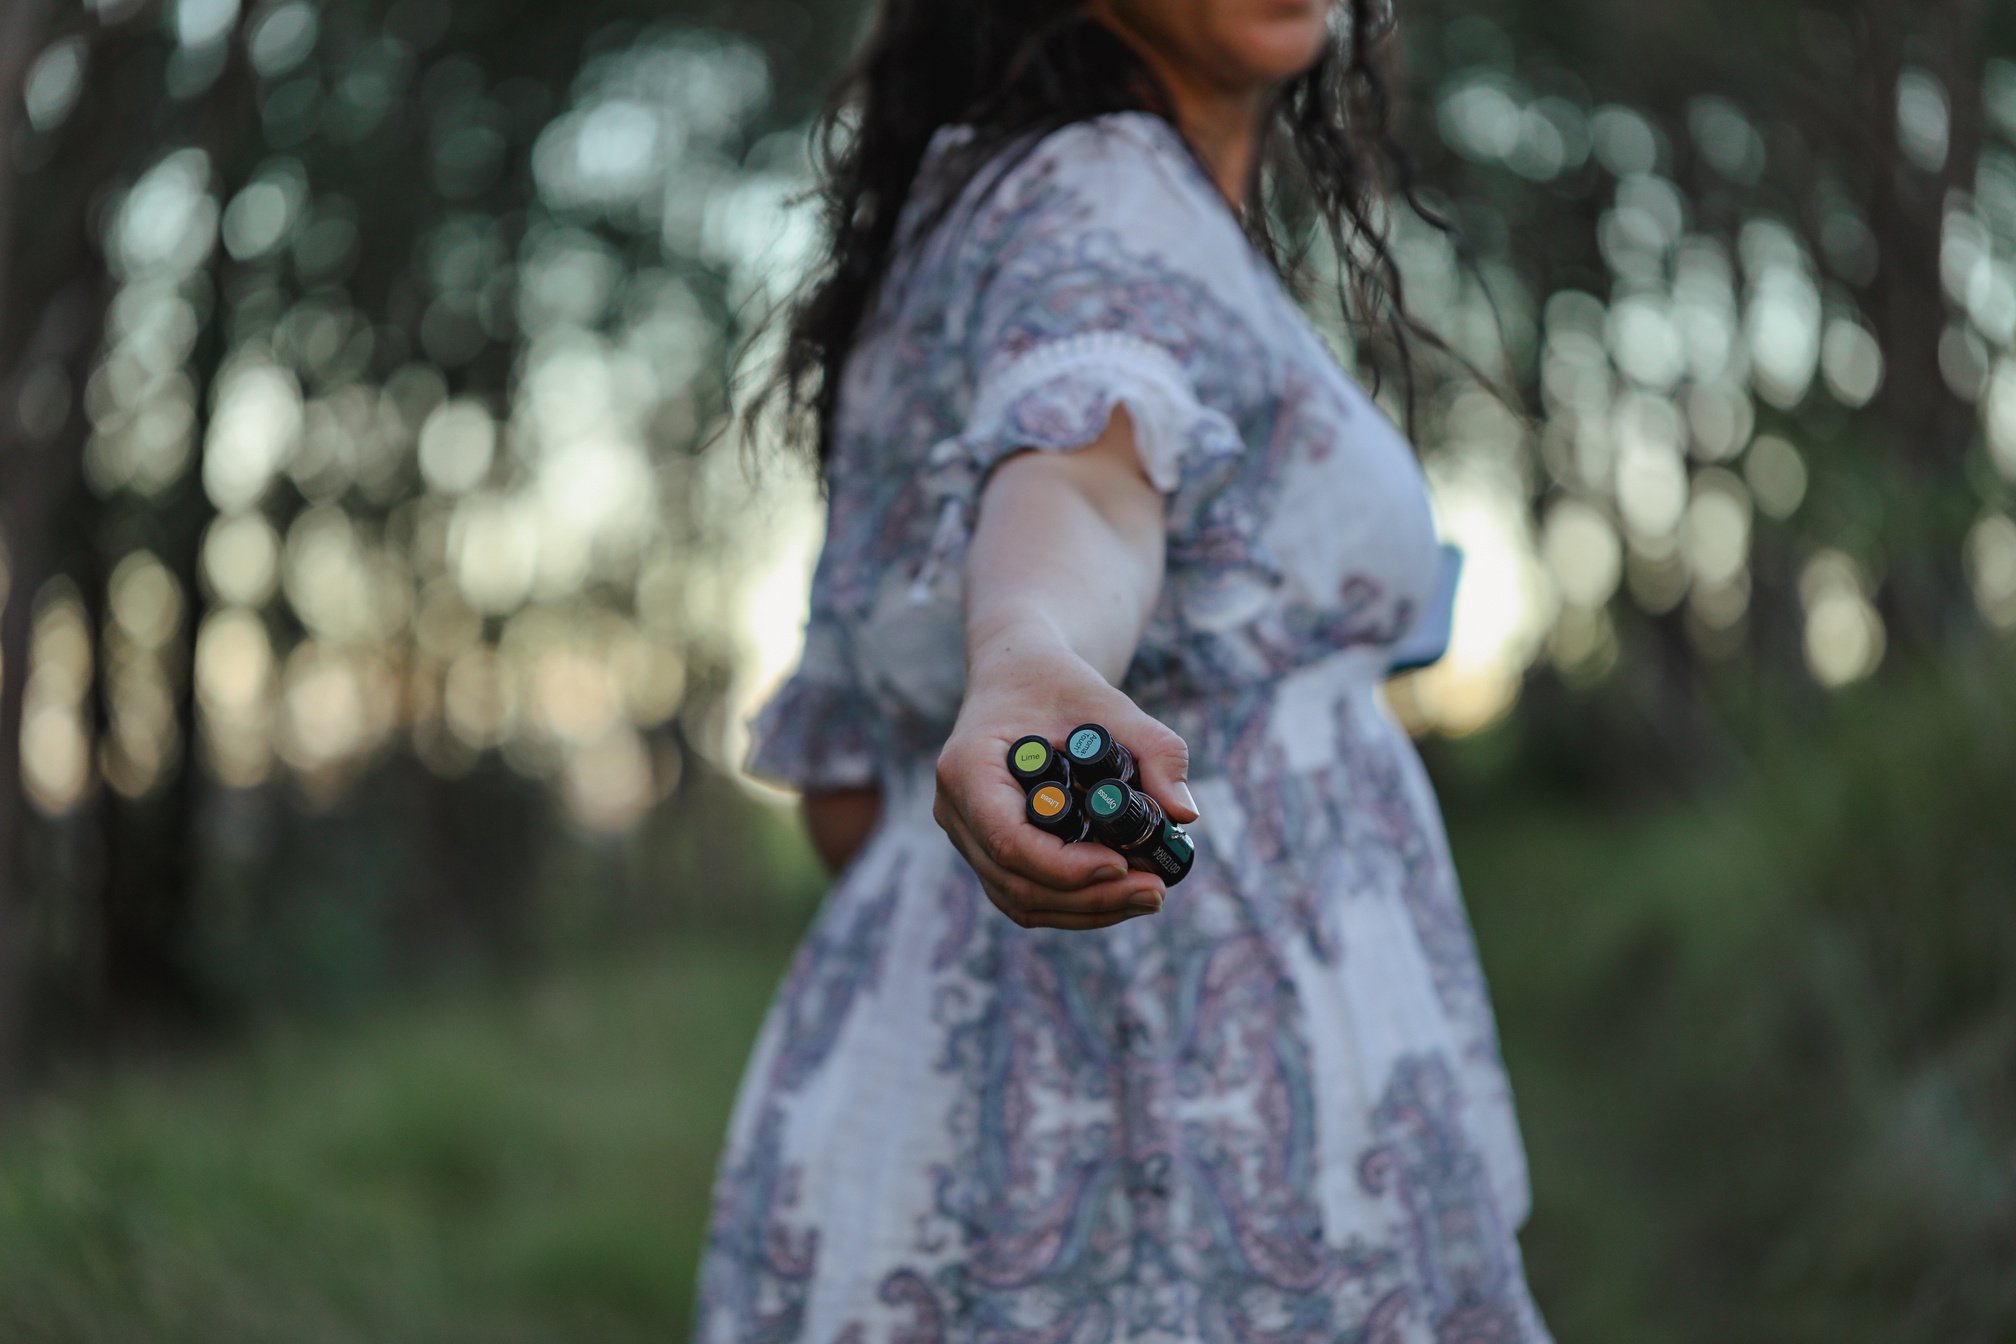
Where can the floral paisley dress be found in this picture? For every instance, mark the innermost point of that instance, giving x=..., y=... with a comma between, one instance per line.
x=1274, y=1111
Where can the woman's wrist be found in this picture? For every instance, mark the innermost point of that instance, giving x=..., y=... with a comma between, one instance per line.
x=1005, y=642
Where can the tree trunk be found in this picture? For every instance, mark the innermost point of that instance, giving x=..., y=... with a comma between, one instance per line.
x=1929, y=426
x=26, y=477
x=149, y=891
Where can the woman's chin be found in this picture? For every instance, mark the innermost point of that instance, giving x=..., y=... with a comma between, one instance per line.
x=1279, y=51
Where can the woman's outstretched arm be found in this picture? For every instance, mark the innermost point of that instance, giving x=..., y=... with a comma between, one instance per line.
x=1064, y=566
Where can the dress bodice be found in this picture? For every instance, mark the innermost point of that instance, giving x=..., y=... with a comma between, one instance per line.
x=1103, y=267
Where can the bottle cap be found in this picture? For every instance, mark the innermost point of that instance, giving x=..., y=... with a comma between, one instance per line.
x=1108, y=799
x=1033, y=760
x=1051, y=807
x=1087, y=743
x=1119, y=814
x=1095, y=754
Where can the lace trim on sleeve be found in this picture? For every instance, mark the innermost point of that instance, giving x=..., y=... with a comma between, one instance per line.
x=1058, y=396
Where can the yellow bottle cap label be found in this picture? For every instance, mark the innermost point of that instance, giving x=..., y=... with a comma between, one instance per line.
x=1049, y=801
x=1031, y=756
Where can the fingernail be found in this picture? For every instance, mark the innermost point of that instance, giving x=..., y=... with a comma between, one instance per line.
x=1145, y=900
x=1183, y=796
x=1108, y=874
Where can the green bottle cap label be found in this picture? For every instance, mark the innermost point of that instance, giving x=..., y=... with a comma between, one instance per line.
x=1177, y=842
x=1108, y=799
x=1031, y=756
x=1086, y=745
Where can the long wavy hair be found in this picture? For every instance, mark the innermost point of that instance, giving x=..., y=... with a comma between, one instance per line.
x=1015, y=70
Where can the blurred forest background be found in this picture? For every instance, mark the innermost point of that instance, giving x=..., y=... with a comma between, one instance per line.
x=383, y=924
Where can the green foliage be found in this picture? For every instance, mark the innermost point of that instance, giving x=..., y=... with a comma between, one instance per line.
x=498, y=1168
x=1761, y=1045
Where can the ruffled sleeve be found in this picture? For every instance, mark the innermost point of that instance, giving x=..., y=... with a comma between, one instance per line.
x=1111, y=281
x=1059, y=396
x=820, y=728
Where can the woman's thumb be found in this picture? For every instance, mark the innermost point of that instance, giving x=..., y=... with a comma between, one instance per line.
x=1163, y=759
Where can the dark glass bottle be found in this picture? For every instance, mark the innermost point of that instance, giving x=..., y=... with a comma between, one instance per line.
x=1032, y=760
x=1133, y=823
x=1095, y=754
x=1053, y=808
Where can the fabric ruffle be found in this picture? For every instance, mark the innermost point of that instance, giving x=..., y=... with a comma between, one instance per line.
x=819, y=730
x=1059, y=396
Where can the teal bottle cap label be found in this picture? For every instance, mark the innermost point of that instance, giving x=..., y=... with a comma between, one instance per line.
x=1107, y=799
x=1178, y=842
x=1086, y=744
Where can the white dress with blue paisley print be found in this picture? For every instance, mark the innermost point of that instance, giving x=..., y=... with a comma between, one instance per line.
x=1274, y=1111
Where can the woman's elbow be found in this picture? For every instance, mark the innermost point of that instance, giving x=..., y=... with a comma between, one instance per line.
x=840, y=822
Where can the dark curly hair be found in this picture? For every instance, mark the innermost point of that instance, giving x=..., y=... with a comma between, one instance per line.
x=1017, y=69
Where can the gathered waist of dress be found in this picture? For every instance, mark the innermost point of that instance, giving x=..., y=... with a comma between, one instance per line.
x=1214, y=715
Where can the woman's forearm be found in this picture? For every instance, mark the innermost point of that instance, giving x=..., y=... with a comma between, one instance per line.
x=1065, y=563
x=1066, y=557
x=1064, y=568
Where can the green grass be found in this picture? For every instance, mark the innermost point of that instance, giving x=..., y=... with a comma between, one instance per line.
x=1761, y=1046
x=487, y=1168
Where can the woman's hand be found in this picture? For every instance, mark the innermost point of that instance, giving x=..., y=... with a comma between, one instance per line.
x=1044, y=652
x=1031, y=876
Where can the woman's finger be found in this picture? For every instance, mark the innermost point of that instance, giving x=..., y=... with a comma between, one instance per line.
x=1163, y=759
x=1100, y=904
x=997, y=820
x=976, y=784
x=978, y=798
x=1055, y=919
x=1127, y=893
x=1062, y=919
x=1016, y=894
x=1101, y=898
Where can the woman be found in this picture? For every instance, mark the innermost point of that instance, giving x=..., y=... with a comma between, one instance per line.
x=1086, y=461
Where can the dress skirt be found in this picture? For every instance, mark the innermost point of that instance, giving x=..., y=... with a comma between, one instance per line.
x=1273, y=1111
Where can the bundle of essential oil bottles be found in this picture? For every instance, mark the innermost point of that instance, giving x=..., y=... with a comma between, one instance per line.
x=1087, y=790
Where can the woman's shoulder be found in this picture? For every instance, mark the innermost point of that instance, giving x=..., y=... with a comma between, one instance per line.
x=1126, y=167
x=1111, y=222
x=1103, y=226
